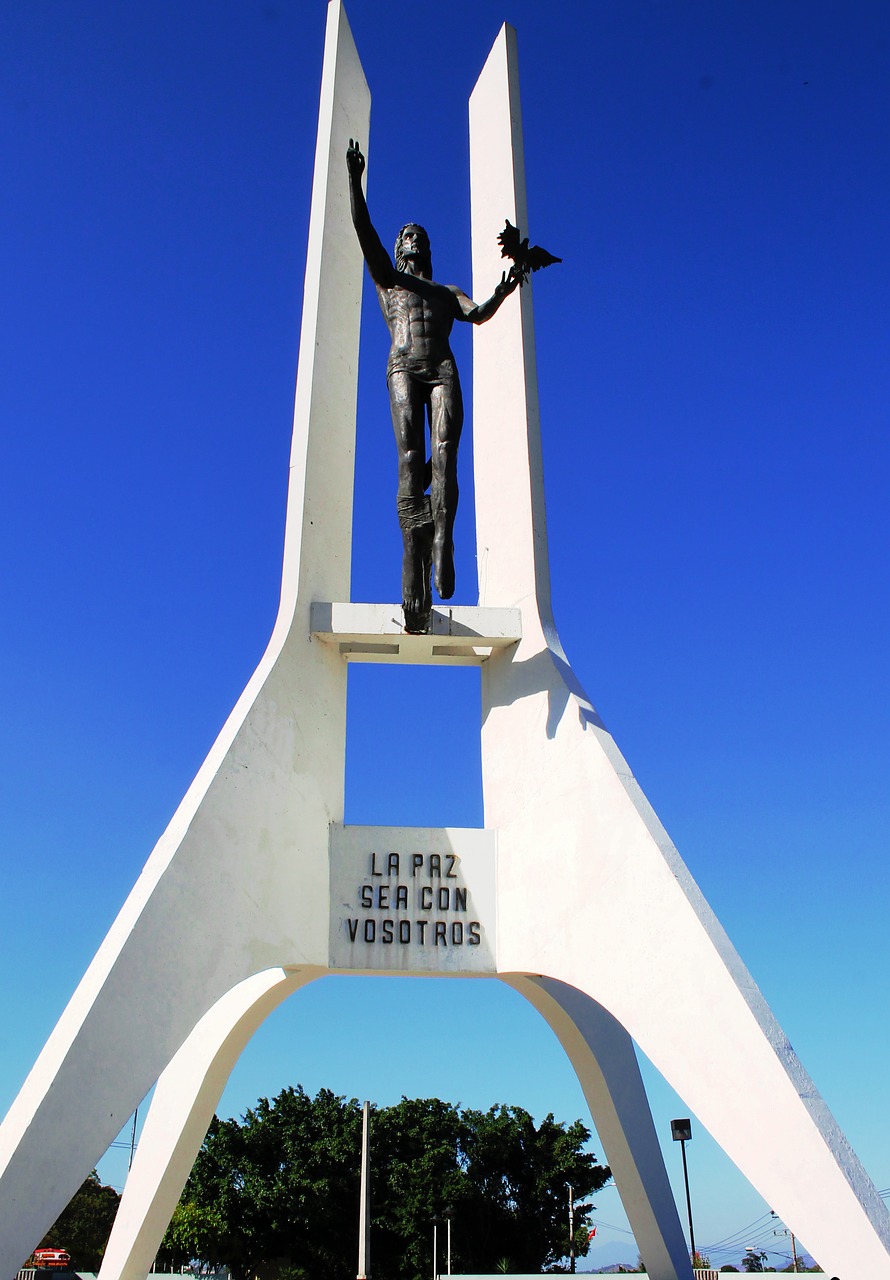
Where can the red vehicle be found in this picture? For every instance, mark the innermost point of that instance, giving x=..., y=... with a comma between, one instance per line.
x=51, y=1259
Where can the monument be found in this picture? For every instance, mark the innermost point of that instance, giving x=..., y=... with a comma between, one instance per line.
x=259, y=845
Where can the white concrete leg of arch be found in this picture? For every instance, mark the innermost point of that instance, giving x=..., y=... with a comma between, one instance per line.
x=244, y=861
x=569, y=813
x=258, y=846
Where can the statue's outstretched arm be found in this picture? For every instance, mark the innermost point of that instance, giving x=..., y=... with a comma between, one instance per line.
x=467, y=309
x=379, y=262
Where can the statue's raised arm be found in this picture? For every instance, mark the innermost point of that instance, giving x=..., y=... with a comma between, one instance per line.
x=478, y=313
x=379, y=262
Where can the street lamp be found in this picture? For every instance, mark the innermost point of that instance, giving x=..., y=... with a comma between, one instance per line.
x=571, y=1229
x=435, y=1222
x=681, y=1131
x=448, y=1215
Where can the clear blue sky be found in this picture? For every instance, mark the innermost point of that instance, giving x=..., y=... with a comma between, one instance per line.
x=713, y=359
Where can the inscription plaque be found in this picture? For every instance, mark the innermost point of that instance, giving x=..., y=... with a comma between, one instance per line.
x=413, y=899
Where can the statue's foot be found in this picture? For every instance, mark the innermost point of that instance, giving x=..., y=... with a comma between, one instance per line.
x=443, y=567
x=417, y=621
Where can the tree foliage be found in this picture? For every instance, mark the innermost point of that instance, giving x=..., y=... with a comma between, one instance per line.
x=83, y=1227
x=280, y=1189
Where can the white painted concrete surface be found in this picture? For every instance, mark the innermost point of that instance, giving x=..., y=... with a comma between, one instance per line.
x=248, y=846
x=570, y=814
x=181, y=1110
x=458, y=635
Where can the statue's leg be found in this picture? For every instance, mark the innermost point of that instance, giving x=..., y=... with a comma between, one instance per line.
x=407, y=403
x=446, y=421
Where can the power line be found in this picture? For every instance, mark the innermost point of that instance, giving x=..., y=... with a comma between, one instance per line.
x=735, y=1236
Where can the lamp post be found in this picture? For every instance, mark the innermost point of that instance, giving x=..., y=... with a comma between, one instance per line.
x=448, y=1215
x=435, y=1222
x=681, y=1131
x=571, y=1230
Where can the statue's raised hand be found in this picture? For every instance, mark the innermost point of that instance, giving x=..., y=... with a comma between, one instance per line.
x=355, y=161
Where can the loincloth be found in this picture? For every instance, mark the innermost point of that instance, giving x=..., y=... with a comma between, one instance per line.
x=443, y=374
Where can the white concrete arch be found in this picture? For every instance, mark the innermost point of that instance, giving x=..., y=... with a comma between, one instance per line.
x=181, y=1109
x=603, y=1057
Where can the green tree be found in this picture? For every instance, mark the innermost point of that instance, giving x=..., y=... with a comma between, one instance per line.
x=517, y=1175
x=195, y=1234
x=280, y=1189
x=282, y=1184
x=416, y=1176
x=754, y=1261
x=83, y=1227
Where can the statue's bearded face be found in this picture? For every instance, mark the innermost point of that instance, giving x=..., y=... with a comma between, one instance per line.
x=413, y=246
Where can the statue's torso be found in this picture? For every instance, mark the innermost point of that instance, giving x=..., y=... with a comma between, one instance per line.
x=419, y=314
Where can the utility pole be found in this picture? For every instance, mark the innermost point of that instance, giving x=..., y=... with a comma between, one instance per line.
x=786, y=1231
x=571, y=1230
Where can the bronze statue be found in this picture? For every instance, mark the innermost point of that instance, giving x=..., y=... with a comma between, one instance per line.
x=422, y=378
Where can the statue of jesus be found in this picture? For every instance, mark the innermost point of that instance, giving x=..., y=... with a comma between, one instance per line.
x=423, y=384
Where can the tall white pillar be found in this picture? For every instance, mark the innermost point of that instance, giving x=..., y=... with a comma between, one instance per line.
x=244, y=861
x=572, y=820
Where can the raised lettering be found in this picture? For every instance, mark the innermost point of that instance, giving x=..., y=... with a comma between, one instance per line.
x=392, y=865
x=450, y=874
x=473, y=938
x=401, y=897
x=436, y=865
x=352, y=926
x=383, y=897
x=386, y=932
x=457, y=934
x=416, y=863
x=374, y=871
x=367, y=895
x=444, y=898
x=421, y=925
x=426, y=898
x=460, y=899
x=404, y=931
x=370, y=930
x=441, y=940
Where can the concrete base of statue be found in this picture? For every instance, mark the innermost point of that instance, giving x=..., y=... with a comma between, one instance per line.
x=258, y=846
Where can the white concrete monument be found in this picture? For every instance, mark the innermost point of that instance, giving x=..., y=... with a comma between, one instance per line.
x=258, y=843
